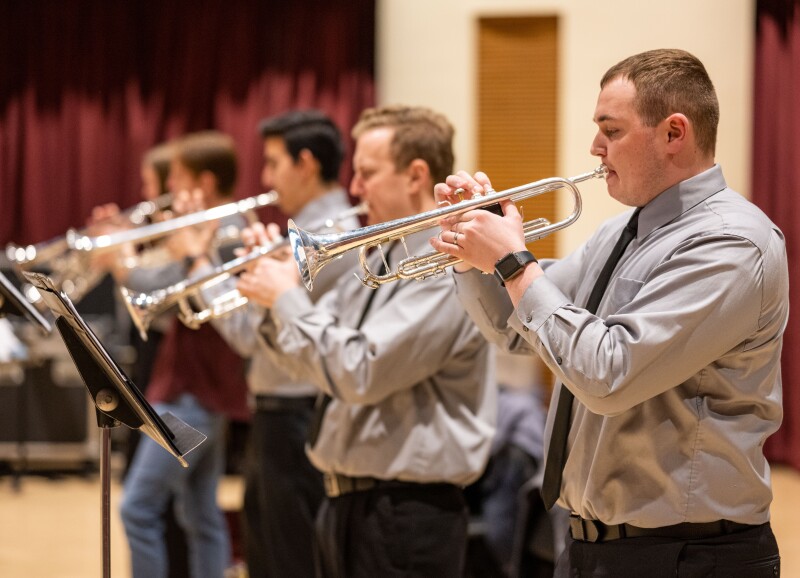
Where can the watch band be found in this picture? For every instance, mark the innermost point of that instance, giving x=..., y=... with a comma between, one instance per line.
x=511, y=265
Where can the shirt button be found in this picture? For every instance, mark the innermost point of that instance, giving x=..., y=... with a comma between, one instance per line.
x=525, y=328
x=529, y=318
x=558, y=360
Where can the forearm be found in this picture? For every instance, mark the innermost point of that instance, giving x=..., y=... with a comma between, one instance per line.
x=490, y=308
x=402, y=342
x=648, y=336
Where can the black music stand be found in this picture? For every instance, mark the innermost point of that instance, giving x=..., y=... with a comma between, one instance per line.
x=13, y=303
x=116, y=398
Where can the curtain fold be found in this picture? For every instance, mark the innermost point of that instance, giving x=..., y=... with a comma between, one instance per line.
x=776, y=183
x=89, y=85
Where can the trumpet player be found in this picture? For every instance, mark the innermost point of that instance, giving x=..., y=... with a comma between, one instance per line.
x=407, y=405
x=196, y=377
x=303, y=152
x=664, y=329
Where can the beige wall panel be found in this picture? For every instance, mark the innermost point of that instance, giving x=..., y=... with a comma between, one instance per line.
x=427, y=55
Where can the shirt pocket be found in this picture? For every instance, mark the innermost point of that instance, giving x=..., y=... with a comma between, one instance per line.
x=621, y=292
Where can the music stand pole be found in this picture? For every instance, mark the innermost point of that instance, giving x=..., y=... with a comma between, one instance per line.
x=105, y=493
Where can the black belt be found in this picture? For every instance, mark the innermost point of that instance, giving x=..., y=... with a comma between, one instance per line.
x=594, y=531
x=278, y=403
x=337, y=485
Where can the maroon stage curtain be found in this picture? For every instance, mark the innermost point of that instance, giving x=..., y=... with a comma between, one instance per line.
x=776, y=183
x=86, y=86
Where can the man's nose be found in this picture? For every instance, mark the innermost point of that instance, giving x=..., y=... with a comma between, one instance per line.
x=597, y=148
x=356, y=187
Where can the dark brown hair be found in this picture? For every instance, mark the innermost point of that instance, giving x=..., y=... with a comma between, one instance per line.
x=210, y=151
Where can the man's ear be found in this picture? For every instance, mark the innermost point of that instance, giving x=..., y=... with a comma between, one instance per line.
x=208, y=182
x=419, y=176
x=308, y=163
x=677, y=131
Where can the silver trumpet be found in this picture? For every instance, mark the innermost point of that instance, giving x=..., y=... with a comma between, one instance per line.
x=314, y=251
x=44, y=253
x=145, y=307
x=70, y=270
x=81, y=242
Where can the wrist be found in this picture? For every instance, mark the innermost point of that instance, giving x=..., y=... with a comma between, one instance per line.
x=517, y=286
x=512, y=265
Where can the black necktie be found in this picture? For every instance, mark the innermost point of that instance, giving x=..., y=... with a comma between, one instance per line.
x=323, y=399
x=557, y=453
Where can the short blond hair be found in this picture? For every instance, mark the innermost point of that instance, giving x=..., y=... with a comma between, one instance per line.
x=419, y=133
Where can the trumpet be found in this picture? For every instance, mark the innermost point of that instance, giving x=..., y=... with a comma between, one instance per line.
x=145, y=307
x=314, y=251
x=81, y=242
x=69, y=270
x=44, y=253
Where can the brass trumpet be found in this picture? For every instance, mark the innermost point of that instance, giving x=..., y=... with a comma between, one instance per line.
x=314, y=251
x=145, y=307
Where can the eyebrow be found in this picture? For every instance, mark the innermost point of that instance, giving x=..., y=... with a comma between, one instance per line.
x=604, y=117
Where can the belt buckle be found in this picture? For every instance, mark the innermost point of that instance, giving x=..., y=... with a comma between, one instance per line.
x=332, y=488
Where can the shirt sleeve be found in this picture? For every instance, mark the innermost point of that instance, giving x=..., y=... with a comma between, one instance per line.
x=702, y=301
x=366, y=365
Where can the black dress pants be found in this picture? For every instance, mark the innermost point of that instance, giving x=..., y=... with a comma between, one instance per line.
x=416, y=530
x=752, y=553
x=283, y=492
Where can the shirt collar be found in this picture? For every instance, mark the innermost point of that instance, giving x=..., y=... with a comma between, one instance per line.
x=679, y=198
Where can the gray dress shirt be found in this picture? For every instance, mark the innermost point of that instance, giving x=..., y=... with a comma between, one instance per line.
x=412, y=394
x=677, y=378
x=240, y=328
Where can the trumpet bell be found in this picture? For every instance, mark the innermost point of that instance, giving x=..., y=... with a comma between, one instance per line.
x=139, y=306
x=308, y=252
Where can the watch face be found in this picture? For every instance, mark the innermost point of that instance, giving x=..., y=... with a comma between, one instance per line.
x=508, y=265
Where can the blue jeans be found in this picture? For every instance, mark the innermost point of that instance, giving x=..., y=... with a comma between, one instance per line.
x=155, y=477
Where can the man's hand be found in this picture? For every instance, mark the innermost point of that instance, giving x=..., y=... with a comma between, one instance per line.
x=105, y=220
x=479, y=237
x=192, y=241
x=267, y=278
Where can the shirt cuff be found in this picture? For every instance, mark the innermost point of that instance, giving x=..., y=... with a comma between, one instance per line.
x=539, y=302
